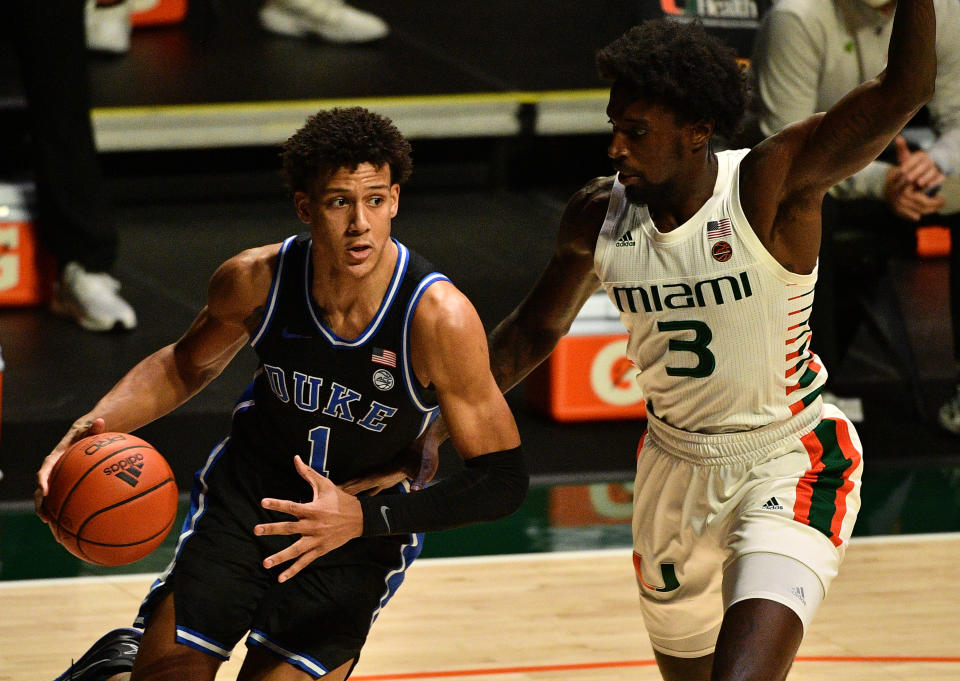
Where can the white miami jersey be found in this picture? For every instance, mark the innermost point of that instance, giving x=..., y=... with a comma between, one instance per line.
x=718, y=328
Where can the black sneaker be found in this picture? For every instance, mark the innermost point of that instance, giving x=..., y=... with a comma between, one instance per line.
x=113, y=653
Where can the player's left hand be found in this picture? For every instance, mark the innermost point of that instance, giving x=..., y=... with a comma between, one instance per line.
x=328, y=521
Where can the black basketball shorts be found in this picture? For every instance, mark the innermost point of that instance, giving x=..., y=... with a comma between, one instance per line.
x=316, y=621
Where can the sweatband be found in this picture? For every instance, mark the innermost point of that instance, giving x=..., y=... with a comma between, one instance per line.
x=489, y=487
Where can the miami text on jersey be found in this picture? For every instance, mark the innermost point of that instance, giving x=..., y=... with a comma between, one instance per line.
x=661, y=297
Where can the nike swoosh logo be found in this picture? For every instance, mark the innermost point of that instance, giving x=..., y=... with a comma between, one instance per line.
x=131, y=650
x=71, y=673
x=383, y=512
x=289, y=334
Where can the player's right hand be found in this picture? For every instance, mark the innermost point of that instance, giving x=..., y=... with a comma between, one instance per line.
x=79, y=430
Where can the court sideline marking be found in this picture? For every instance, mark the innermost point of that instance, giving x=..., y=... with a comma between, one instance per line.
x=492, y=671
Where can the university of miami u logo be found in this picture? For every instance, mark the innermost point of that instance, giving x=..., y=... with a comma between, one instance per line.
x=667, y=573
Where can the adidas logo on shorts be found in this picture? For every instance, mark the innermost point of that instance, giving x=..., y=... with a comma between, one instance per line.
x=772, y=504
x=625, y=240
x=797, y=592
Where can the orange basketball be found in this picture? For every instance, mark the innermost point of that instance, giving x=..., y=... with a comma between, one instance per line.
x=112, y=499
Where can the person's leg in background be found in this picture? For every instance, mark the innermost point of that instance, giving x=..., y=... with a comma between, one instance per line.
x=73, y=215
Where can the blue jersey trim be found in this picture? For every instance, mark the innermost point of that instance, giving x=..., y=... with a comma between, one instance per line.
x=202, y=643
x=198, y=506
x=308, y=664
x=428, y=418
x=403, y=257
x=246, y=399
x=274, y=291
x=409, y=378
x=408, y=553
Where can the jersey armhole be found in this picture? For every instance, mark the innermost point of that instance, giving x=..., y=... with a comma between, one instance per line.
x=616, y=208
x=414, y=391
x=274, y=292
x=753, y=244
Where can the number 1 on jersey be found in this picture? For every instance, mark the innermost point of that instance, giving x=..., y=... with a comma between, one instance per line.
x=319, y=438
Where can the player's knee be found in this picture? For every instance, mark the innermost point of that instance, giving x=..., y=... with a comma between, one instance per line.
x=176, y=666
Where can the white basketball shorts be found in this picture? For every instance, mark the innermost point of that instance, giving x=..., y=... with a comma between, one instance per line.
x=702, y=502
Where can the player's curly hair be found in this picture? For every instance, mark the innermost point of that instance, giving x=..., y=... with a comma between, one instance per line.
x=682, y=67
x=344, y=138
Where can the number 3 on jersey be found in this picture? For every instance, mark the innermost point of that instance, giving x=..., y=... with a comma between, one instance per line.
x=702, y=335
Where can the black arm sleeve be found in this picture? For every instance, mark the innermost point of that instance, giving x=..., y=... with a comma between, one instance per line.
x=490, y=486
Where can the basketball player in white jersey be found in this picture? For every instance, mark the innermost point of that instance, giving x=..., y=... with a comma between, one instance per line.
x=747, y=484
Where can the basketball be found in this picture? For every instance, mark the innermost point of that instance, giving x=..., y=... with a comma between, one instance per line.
x=112, y=499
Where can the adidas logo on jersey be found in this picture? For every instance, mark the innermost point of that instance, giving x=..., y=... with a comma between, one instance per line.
x=772, y=504
x=625, y=240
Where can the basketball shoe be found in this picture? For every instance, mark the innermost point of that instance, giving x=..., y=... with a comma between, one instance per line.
x=108, y=27
x=332, y=20
x=949, y=414
x=91, y=299
x=112, y=654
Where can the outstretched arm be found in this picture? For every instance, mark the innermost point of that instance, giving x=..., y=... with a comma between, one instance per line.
x=858, y=127
x=529, y=334
x=788, y=174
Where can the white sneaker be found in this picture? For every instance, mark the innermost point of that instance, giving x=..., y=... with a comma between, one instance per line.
x=949, y=414
x=108, y=28
x=332, y=20
x=91, y=299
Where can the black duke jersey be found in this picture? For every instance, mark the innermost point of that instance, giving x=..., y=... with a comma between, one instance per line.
x=346, y=406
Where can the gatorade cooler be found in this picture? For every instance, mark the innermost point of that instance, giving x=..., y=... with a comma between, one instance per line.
x=588, y=377
x=26, y=270
x=158, y=13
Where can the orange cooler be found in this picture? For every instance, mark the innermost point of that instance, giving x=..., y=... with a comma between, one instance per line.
x=162, y=12
x=26, y=270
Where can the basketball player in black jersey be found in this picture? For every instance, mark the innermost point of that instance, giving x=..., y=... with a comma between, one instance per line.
x=360, y=342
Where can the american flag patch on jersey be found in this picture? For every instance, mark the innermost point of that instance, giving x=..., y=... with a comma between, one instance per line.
x=719, y=228
x=386, y=357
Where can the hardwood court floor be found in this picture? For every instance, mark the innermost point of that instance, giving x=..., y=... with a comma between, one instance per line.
x=892, y=615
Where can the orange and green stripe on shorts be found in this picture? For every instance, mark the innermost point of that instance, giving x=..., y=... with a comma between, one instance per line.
x=822, y=492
